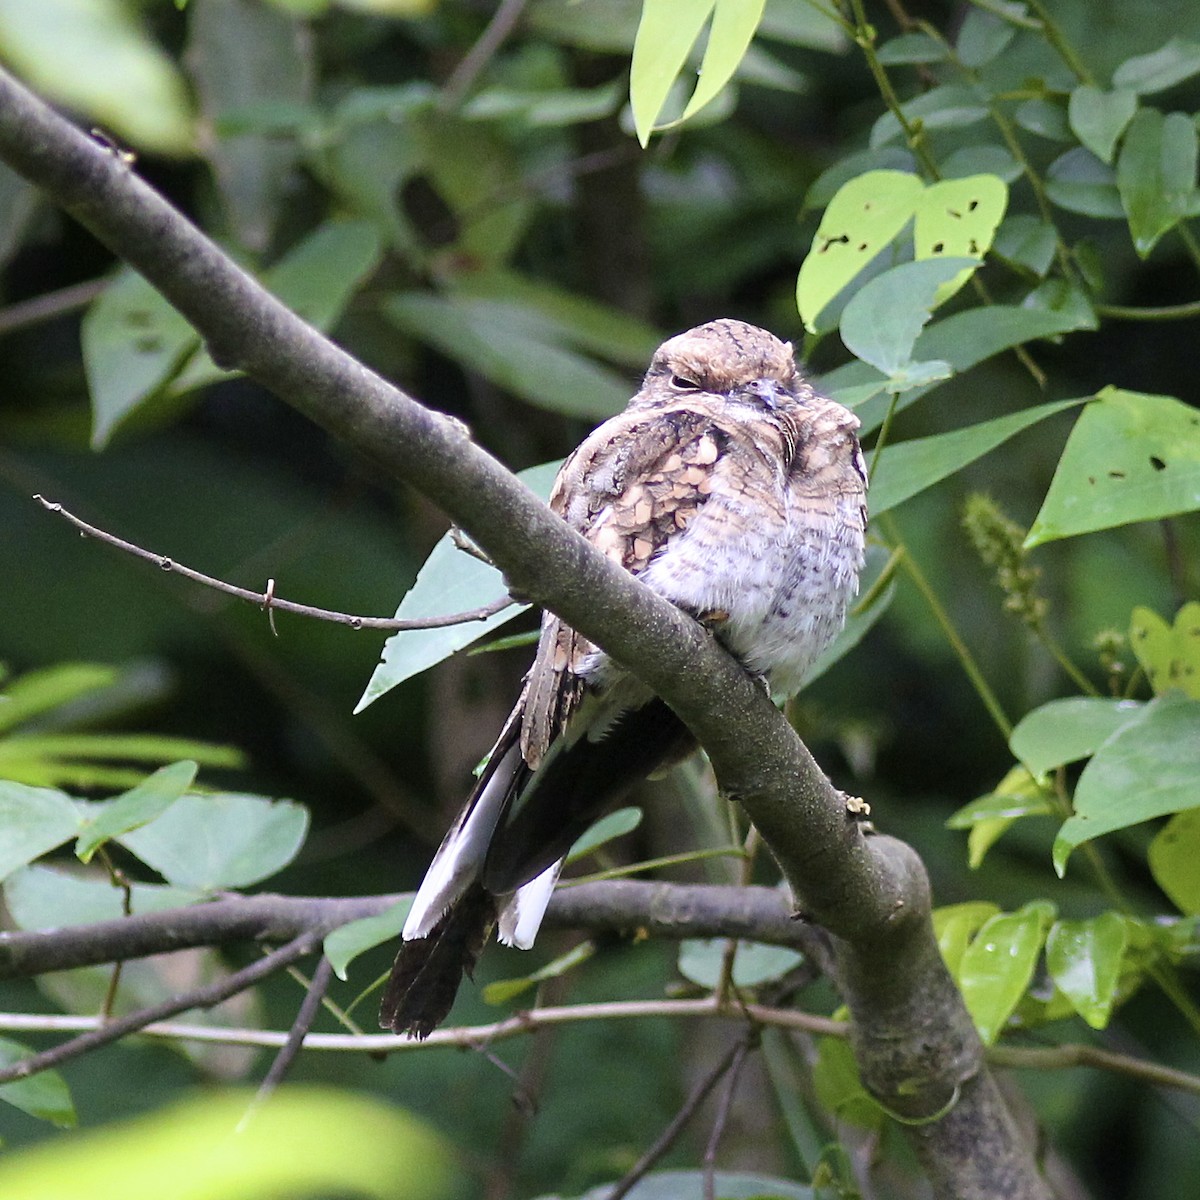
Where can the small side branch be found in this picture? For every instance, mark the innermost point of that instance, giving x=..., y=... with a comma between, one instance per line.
x=267, y=600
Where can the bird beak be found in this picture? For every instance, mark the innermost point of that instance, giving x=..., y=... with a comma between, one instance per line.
x=768, y=392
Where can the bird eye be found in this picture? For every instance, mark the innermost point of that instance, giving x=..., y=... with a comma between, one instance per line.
x=684, y=384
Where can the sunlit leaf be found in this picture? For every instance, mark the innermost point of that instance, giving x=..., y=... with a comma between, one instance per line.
x=1169, y=654
x=1149, y=768
x=1017, y=795
x=1173, y=856
x=1084, y=960
x=37, y=692
x=1063, y=731
x=224, y=840
x=303, y=1140
x=665, y=36
x=450, y=581
x=998, y=965
x=1130, y=457
x=954, y=925
x=867, y=214
x=958, y=218
x=135, y=808
x=733, y=26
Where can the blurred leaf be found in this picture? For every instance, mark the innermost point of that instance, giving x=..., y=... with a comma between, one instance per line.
x=33, y=821
x=243, y=55
x=997, y=966
x=607, y=829
x=1162, y=68
x=44, y=1095
x=135, y=808
x=1017, y=795
x=912, y=48
x=1084, y=960
x=93, y=56
x=1063, y=731
x=1173, y=856
x=733, y=26
x=40, y=897
x=450, y=581
x=19, y=202
x=906, y=468
x=1169, y=654
x=1156, y=175
x=303, y=1140
x=1045, y=118
x=950, y=106
x=881, y=322
x=982, y=37
x=1099, y=118
x=550, y=108
x=1079, y=182
x=1028, y=241
x=224, y=840
x=981, y=159
x=701, y=959
x=802, y=25
x=958, y=218
x=954, y=925
x=840, y=1089
x=867, y=213
x=501, y=991
x=344, y=944
x=1149, y=768
x=1131, y=457
x=693, y=1185
x=516, y=347
x=37, y=692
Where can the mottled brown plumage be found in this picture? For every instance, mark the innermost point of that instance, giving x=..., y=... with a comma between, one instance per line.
x=733, y=489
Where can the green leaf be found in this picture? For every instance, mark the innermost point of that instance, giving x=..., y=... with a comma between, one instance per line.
x=733, y=26
x=951, y=106
x=1063, y=731
x=881, y=322
x=701, y=960
x=1161, y=69
x=981, y=159
x=40, y=897
x=1149, y=768
x=911, y=48
x=958, y=218
x=954, y=925
x=501, y=991
x=1169, y=654
x=866, y=214
x=607, y=829
x=303, y=1140
x=38, y=692
x=1079, y=182
x=224, y=840
x=516, y=346
x=998, y=965
x=982, y=37
x=450, y=581
x=131, y=747
x=348, y=941
x=665, y=36
x=1028, y=241
x=1131, y=457
x=1084, y=959
x=1156, y=175
x=1099, y=118
x=694, y=1185
x=44, y=1095
x=1017, y=795
x=906, y=468
x=1173, y=856
x=135, y=808
x=33, y=821
x=93, y=56
x=839, y=1086
x=1044, y=118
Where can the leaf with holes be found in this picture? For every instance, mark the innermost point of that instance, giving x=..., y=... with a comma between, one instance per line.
x=864, y=217
x=1131, y=457
x=1169, y=654
x=958, y=218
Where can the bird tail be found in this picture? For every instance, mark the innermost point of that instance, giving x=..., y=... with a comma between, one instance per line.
x=428, y=969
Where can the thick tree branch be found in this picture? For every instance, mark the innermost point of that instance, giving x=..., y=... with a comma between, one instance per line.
x=916, y=1046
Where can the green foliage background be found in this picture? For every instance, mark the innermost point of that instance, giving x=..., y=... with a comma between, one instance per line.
x=499, y=244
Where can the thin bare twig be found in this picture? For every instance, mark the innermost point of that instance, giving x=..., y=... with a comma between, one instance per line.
x=288, y=1053
x=268, y=600
x=747, y=1042
x=50, y=305
x=473, y=63
x=205, y=997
